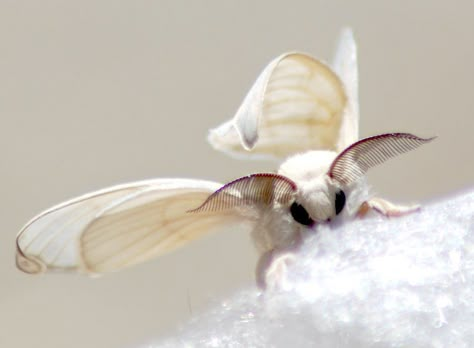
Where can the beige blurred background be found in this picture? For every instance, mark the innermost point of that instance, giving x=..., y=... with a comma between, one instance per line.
x=95, y=93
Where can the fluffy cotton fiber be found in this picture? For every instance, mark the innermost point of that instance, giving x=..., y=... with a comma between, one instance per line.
x=377, y=282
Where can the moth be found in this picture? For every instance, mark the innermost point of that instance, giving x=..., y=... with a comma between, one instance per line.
x=301, y=112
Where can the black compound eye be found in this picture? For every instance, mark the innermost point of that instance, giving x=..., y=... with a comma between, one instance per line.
x=340, y=201
x=300, y=214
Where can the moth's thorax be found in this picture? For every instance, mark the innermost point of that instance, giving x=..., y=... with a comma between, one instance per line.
x=307, y=166
x=316, y=191
x=276, y=229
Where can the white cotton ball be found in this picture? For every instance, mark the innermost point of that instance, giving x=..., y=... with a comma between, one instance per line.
x=378, y=282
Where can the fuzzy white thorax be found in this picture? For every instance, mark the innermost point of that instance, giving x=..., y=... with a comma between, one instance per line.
x=276, y=230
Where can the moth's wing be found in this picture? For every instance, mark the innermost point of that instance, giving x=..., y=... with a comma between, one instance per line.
x=345, y=66
x=296, y=104
x=118, y=227
x=51, y=239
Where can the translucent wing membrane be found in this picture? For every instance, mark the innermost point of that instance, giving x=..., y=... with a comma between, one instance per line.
x=50, y=240
x=351, y=164
x=296, y=104
x=345, y=66
x=124, y=225
x=130, y=233
x=253, y=190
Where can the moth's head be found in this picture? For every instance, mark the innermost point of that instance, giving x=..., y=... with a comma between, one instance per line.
x=317, y=194
x=321, y=198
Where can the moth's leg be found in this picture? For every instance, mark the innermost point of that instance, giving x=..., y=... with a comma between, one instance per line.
x=385, y=208
x=262, y=266
x=272, y=269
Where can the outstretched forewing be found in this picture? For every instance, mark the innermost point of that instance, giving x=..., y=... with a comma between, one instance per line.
x=118, y=227
x=296, y=104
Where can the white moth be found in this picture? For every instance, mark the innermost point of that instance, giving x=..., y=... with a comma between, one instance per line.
x=299, y=109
